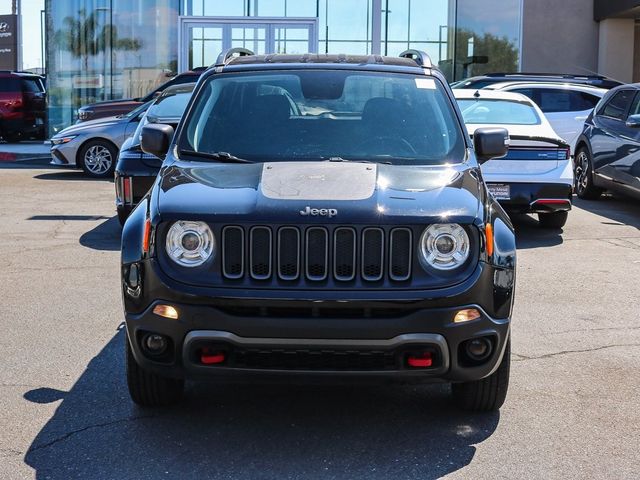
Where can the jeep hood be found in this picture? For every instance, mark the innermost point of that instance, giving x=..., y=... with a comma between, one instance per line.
x=354, y=192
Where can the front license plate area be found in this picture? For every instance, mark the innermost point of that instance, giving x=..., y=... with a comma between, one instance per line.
x=500, y=191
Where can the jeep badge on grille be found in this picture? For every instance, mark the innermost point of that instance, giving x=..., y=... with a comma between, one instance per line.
x=323, y=212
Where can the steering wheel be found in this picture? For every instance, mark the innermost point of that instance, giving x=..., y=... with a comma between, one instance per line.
x=388, y=145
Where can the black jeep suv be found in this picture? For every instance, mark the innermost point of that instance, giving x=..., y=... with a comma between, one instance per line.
x=320, y=216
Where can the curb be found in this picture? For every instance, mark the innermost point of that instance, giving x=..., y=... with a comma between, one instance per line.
x=10, y=157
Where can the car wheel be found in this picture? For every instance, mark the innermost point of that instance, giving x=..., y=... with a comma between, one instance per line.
x=488, y=394
x=98, y=158
x=584, y=176
x=553, y=220
x=148, y=389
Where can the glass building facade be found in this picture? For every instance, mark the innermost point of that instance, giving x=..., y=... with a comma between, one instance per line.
x=106, y=49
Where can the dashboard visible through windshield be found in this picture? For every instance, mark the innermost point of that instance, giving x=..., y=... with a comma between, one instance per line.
x=323, y=115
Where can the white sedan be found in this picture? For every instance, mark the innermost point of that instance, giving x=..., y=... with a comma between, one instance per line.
x=536, y=176
x=565, y=105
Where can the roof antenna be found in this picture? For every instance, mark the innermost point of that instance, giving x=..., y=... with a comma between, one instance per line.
x=477, y=94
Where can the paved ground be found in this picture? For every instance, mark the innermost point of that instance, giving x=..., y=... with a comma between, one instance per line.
x=573, y=410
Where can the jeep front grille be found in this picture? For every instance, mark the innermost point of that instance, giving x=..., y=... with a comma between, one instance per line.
x=315, y=254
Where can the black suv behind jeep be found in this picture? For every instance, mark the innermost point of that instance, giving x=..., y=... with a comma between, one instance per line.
x=320, y=216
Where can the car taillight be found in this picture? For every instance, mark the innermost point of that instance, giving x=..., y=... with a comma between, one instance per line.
x=565, y=153
x=127, y=190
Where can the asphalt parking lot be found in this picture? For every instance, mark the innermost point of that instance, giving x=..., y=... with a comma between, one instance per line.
x=573, y=409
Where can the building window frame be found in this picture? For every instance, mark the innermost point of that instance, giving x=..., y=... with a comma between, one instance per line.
x=185, y=22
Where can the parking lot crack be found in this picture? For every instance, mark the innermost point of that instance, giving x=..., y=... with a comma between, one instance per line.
x=577, y=330
x=84, y=429
x=621, y=242
x=19, y=385
x=523, y=358
x=9, y=452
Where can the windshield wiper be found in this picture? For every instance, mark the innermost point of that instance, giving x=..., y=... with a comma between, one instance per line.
x=340, y=159
x=224, y=157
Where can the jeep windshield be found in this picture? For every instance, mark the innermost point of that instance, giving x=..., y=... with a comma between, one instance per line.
x=319, y=114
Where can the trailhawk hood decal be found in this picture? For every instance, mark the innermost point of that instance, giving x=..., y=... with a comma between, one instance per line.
x=318, y=180
x=316, y=192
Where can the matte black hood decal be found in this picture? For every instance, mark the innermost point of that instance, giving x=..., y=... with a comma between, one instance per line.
x=236, y=193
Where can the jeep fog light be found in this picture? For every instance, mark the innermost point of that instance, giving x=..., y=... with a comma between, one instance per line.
x=444, y=246
x=190, y=244
x=466, y=315
x=166, y=311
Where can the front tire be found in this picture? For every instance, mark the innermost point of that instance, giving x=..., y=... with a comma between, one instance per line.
x=583, y=174
x=148, y=389
x=553, y=220
x=98, y=158
x=488, y=394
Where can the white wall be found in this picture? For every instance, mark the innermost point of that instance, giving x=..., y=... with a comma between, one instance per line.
x=559, y=36
x=615, y=53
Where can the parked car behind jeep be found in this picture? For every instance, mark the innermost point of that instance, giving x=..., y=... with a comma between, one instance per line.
x=607, y=151
x=22, y=106
x=94, y=145
x=120, y=107
x=136, y=170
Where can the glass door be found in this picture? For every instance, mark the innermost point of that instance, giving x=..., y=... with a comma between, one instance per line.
x=205, y=41
x=204, y=45
x=202, y=39
x=291, y=38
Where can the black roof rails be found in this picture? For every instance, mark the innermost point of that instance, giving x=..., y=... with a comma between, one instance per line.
x=227, y=55
x=421, y=58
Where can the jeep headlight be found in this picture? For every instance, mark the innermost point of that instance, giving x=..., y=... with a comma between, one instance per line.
x=190, y=244
x=444, y=246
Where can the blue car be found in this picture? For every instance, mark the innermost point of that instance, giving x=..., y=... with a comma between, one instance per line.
x=136, y=171
x=319, y=217
x=608, y=150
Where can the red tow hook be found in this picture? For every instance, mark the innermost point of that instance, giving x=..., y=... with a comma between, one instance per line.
x=211, y=358
x=421, y=360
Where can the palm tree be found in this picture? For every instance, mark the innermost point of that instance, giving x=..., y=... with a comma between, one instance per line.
x=83, y=37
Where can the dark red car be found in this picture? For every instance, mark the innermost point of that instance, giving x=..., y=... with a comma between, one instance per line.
x=22, y=105
x=117, y=107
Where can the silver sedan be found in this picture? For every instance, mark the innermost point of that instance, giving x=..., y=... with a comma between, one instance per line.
x=94, y=145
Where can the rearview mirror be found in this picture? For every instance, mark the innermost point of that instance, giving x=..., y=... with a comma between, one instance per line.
x=633, y=121
x=490, y=143
x=156, y=138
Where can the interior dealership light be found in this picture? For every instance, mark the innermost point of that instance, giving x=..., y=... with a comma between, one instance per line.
x=444, y=246
x=466, y=315
x=190, y=244
x=166, y=311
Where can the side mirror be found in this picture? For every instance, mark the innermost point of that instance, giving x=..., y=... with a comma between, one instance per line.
x=156, y=138
x=633, y=121
x=490, y=143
